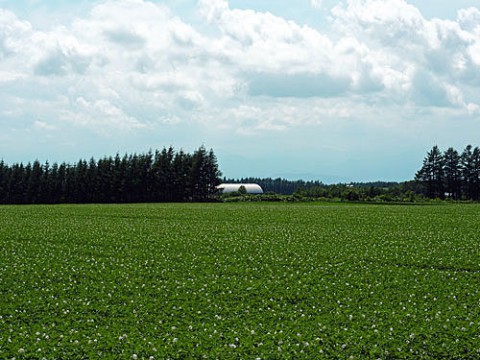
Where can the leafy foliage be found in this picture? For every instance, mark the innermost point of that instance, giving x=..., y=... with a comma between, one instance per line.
x=157, y=281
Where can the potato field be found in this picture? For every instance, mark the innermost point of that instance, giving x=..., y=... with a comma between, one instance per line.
x=240, y=281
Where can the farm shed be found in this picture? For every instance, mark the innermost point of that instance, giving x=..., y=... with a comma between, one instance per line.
x=251, y=188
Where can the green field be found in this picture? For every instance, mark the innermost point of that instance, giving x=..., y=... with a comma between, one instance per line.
x=242, y=281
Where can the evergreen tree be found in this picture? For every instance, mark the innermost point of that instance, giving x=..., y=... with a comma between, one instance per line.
x=212, y=174
x=204, y=175
x=161, y=176
x=43, y=190
x=452, y=173
x=198, y=182
x=92, y=181
x=80, y=187
x=181, y=168
x=61, y=182
x=3, y=181
x=53, y=191
x=431, y=174
x=470, y=164
x=17, y=184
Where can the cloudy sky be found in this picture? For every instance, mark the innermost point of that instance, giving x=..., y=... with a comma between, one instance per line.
x=350, y=90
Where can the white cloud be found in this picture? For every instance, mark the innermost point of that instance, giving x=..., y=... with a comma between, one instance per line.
x=12, y=33
x=101, y=115
x=473, y=109
x=316, y=4
x=469, y=19
x=43, y=125
x=10, y=76
x=401, y=44
x=379, y=47
x=263, y=42
x=131, y=64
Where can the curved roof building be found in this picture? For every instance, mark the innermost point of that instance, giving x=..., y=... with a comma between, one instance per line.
x=251, y=188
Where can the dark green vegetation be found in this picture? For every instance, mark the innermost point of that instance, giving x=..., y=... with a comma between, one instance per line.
x=356, y=192
x=318, y=189
x=443, y=175
x=279, y=186
x=246, y=281
x=170, y=176
x=165, y=175
x=450, y=174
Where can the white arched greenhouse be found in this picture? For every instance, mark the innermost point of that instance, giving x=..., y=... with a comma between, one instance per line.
x=251, y=188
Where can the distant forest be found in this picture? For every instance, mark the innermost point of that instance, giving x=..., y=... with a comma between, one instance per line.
x=443, y=175
x=289, y=187
x=175, y=176
x=296, y=190
x=278, y=185
x=159, y=176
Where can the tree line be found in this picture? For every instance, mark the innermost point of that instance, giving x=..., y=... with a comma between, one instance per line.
x=278, y=185
x=450, y=174
x=160, y=176
x=444, y=175
x=168, y=175
x=298, y=190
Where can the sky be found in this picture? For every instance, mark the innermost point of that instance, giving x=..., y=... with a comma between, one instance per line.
x=336, y=91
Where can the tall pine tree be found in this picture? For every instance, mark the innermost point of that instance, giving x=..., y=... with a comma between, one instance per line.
x=452, y=173
x=431, y=174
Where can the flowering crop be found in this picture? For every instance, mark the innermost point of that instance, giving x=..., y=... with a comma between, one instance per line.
x=256, y=281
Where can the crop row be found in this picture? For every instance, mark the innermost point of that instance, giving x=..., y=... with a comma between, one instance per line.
x=239, y=281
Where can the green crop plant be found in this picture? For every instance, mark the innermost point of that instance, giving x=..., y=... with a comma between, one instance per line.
x=243, y=280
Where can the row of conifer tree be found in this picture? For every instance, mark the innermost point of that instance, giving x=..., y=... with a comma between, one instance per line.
x=451, y=174
x=168, y=175
x=163, y=175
